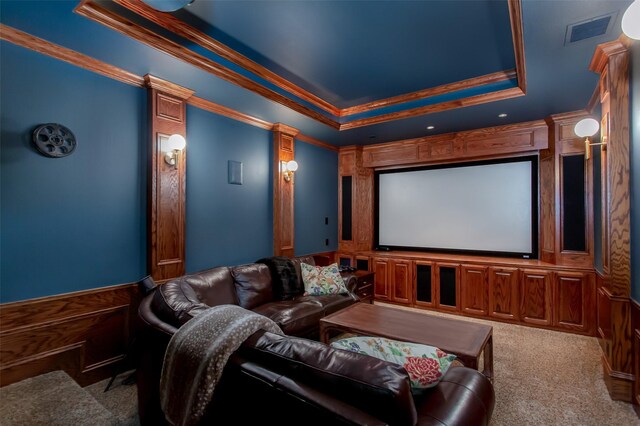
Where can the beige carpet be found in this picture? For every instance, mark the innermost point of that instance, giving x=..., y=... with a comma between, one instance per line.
x=545, y=377
x=51, y=399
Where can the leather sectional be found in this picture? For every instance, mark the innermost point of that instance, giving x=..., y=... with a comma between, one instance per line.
x=292, y=379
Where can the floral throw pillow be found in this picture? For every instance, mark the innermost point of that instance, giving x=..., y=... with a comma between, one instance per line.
x=425, y=364
x=321, y=280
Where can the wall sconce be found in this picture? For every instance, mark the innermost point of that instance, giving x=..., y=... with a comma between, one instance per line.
x=586, y=128
x=172, y=148
x=288, y=168
x=631, y=21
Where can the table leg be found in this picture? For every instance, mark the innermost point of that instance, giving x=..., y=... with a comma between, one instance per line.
x=324, y=333
x=488, y=358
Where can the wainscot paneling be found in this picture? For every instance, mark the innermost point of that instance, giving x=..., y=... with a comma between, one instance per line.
x=84, y=333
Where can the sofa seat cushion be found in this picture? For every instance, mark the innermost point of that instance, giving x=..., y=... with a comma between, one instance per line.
x=293, y=317
x=253, y=284
x=330, y=303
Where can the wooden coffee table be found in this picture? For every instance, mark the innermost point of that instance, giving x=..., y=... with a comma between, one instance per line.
x=466, y=340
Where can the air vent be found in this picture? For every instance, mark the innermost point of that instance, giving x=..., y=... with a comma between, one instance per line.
x=590, y=28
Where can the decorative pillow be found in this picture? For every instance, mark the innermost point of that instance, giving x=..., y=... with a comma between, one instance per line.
x=321, y=280
x=425, y=364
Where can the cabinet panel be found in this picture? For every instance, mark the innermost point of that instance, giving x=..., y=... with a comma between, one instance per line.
x=573, y=300
x=447, y=286
x=503, y=293
x=424, y=280
x=381, y=279
x=400, y=278
x=535, y=297
x=474, y=289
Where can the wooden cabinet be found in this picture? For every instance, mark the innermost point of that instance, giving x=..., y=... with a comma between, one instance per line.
x=503, y=293
x=401, y=281
x=535, y=297
x=573, y=291
x=473, y=289
x=393, y=280
x=447, y=291
x=381, y=280
x=424, y=293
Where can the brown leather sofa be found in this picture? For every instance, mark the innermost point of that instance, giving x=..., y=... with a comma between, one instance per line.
x=290, y=379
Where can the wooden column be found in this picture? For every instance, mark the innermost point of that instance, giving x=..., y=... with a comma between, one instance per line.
x=611, y=61
x=283, y=191
x=166, y=183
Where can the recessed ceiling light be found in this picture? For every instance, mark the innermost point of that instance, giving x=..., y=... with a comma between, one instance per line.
x=503, y=115
x=430, y=127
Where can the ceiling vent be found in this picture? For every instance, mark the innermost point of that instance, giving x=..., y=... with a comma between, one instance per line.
x=590, y=28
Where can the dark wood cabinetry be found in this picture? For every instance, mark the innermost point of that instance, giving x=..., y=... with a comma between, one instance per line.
x=381, y=282
x=447, y=279
x=573, y=292
x=400, y=279
x=474, y=289
x=364, y=284
x=503, y=293
x=535, y=297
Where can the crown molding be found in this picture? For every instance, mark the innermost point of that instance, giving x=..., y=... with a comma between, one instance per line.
x=603, y=52
x=167, y=87
x=287, y=130
x=515, y=15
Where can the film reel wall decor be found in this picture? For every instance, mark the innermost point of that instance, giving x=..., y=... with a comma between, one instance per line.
x=54, y=140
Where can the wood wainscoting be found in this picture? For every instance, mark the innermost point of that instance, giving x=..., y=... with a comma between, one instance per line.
x=635, y=327
x=85, y=333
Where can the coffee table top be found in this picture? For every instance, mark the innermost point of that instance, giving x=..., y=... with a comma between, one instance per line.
x=450, y=335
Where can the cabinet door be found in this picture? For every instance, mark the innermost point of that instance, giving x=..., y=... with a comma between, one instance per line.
x=535, y=297
x=473, y=289
x=503, y=293
x=381, y=279
x=424, y=284
x=447, y=286
x=573, y=301
x=400, y=281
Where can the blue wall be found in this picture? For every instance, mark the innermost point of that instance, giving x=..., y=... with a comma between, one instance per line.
x=316, y=197
x=227, y=224
x=77, y=222
x=635, y=170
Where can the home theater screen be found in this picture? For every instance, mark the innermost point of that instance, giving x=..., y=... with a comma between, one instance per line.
x=487, y=208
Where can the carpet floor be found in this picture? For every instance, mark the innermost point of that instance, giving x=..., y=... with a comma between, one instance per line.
x=542, y=377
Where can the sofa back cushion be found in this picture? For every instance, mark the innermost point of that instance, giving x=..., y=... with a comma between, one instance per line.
x=179, y=300
x=372, y=385
x=253, y=284
x=309, y=260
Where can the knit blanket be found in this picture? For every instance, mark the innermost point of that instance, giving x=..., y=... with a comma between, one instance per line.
x=196, y=357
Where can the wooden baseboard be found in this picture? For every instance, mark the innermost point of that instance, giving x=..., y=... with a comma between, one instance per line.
x=620, y=385
x=85, y=333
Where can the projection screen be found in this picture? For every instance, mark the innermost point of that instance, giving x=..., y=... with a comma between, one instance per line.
x=477, y=207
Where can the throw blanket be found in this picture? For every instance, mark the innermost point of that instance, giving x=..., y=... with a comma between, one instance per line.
x=196, y=356
x=284, y=278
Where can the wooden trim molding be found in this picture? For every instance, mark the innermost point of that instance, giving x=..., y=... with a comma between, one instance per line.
x=491, y=141
x=84, y=333
x=603, y=52
x=499, y=95
x=169, y=22
x=167, y=87
x=27, y=41
x=283, y=191
x=515, y=15
x=433, y=91
x=91, y=10
x=97, y=13
x=22, y=39
x=167, y=183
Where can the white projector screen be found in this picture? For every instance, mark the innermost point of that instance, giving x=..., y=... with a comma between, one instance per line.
x=475, y=207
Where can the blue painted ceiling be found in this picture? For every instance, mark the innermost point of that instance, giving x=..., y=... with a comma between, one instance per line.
x=351, y=52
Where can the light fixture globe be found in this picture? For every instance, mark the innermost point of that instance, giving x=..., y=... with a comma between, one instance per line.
x=175, y=142
x=586, y=127
x=631, y=21
x=292, y=165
